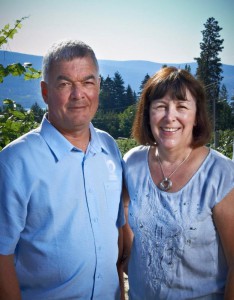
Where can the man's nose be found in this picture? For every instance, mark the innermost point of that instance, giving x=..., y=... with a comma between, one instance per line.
x=77, y=91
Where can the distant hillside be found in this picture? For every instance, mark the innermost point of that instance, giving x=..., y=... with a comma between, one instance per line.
x=133, y=72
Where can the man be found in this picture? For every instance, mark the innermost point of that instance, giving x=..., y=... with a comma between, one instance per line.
x=60, y=189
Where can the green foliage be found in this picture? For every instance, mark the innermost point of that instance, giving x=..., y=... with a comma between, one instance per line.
x=226, y=139
x=116, y=124
x=146, y=78
x=14, y=122
x=126, y=144
x=38, y=112
x=187, y=68
x=18, y=69
x=8, y=33
x=232, y=105
x=107, y=121
x=114, y=97
x=209, y=70
x=15, y=69
x=126, y=119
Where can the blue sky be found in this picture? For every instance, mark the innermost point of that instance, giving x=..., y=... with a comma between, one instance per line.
x=164, y=31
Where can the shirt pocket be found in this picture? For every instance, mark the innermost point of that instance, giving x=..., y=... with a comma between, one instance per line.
x=113, y=192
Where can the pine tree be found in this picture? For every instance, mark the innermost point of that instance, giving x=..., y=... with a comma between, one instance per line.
x=209, y=68
x=119, y=93
x=106, y=97
x=224, y=118
x=187, y=68
x=38, y=112
x=146, y=78
x=130, y=97
x=232, y=105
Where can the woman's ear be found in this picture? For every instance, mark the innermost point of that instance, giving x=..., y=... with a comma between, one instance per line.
x=44, y=91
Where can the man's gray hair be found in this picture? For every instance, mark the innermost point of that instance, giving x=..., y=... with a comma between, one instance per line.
x=66, y=50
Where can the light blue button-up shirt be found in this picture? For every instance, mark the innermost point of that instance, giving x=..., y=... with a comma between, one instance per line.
x=59, y=212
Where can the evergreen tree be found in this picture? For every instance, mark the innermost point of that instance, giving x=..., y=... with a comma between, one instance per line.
x=126, y=121
x=224, y=117
x=187, y=68
x=119, y=93
x=146, y=78
x=38, y=112
x=130, y=96
x=108, y=121
x=209, y=68
x=107, y=95
x=223, y=93
x=232, y=105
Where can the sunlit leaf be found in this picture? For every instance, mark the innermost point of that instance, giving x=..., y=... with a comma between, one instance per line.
x=2, y=40
x=7, y=26
x=28, y=75
x=18, y=114
x=12, y=33
x=16, y=69
x=8, y=102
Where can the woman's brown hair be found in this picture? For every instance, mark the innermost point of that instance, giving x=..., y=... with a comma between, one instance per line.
x=175, y=82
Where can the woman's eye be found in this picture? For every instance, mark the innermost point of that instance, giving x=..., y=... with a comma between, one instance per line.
x=182, y=107
x=160, y=107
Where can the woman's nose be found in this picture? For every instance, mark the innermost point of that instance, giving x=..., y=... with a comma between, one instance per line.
x=170, y=114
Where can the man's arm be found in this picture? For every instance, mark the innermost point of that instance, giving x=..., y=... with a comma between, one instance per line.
x=119, y=264
x=9, y=286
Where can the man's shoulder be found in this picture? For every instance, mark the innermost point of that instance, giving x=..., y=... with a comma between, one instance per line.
x=22, y=144
x=103, y=134
x=105, y=138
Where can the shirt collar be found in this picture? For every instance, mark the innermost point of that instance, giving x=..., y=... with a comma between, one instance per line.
x=57, y=143
x=60, y=146
x=97, y=144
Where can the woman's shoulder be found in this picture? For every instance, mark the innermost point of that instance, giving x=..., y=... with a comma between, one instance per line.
x=136, y=153
x=221, y=161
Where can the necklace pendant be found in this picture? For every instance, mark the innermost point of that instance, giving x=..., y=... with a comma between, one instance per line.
x=166, y=184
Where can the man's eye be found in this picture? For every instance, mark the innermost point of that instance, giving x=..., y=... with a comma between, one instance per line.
x=89, y=83
x=64, y=84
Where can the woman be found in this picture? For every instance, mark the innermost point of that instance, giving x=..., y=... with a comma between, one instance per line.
x=180, y=208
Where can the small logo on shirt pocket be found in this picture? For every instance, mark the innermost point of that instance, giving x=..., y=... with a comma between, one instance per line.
x=111, y=170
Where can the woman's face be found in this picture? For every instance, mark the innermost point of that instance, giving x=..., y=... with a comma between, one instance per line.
x=172, y=121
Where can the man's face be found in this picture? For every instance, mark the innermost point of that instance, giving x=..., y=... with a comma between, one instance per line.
x=72, y=93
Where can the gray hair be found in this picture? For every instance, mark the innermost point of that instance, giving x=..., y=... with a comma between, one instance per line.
x=66, y=50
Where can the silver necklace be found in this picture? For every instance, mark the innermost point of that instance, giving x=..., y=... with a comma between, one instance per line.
x=166, y=183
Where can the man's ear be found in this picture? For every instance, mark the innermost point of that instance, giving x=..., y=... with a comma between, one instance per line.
x=44, y=91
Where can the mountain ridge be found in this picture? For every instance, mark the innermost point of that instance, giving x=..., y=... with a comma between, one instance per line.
x=133, y=72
